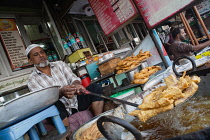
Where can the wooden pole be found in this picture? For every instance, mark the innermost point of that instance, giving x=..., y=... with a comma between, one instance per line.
x=191, y=32
x=187, y=30
x=201, y=21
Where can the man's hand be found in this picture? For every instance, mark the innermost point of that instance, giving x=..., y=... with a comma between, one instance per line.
x=78, y=87
x=68, y=91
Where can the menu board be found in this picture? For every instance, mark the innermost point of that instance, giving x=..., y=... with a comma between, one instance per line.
x=156, y=11
x=112, y=15
x=204, y=6
x=13, y=43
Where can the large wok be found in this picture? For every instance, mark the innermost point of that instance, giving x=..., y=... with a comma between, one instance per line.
x=123, y=110
x=120, y=112
x=18, y=108
x=120, y=116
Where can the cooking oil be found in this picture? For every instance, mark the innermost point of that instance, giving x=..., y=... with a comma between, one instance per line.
x=191, y=116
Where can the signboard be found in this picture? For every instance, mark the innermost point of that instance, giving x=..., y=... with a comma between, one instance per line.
x=203, y=7
x=156, y=11
x=13, y=43
x=113, y=15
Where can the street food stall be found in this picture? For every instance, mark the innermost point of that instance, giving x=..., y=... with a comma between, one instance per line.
x=145, y=67
x=157, y=116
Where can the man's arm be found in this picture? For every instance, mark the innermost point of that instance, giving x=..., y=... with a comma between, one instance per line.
x=70, y=76
x=201, y=46
x=76, y=82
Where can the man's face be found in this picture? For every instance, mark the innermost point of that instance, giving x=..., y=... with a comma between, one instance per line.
x=182, y=35
x=37, y=56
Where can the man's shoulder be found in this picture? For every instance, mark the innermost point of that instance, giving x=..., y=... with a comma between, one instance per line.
x=175, y=43
x=57, y=63
x=32, y=75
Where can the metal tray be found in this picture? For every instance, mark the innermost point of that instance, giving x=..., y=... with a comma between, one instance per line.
x=19, y=108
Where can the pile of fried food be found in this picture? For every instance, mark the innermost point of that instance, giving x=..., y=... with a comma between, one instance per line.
x=131, y=62
x=143, y=76
x=166, y=97
x=92, y=133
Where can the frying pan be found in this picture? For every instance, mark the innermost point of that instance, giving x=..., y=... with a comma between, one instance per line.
x=129, y=127
x=203, y=134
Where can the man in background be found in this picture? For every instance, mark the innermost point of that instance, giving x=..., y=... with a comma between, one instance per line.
x=167, y=43
x=179, y=48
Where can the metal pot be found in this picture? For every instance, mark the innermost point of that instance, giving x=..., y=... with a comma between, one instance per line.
x=27, y=104
x=123, y=110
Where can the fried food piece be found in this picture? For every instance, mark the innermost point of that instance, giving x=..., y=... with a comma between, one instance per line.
x=131, y=62
x=158, y=99
x=92, y=133
x=170, y=80
x=191, y=90
x=143, y=76
x=156, y=104
x=142, y=58
x=153, y=100
x=134, y=113
x=160, y=89
x=118, y=68
x=139, y=76
x=140, y=81
x=172, y=93
x=166, y=97
x=119, y=71
x=193, y=87
x=144, y=115
x=196, y=79
x=183, y=83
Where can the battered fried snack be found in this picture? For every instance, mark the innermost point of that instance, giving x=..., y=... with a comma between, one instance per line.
x=92, y=133
x=193, y=87
x=171, y=80
x=143, y=76
x=144, y=115
x=131, y=62
x=166, y=97
x=140, y=81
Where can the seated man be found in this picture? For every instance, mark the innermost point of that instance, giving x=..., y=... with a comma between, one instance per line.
x=72, y=105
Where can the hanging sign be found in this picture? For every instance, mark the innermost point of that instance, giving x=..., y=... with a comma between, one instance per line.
x=156, y=11
x=203, y=7
x=113, y=15
x=13, y=43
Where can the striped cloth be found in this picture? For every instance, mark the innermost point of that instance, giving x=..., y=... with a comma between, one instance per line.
x=79, y=118
x=62, y=75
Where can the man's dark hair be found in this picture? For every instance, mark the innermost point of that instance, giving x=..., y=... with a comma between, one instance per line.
x=175, y=32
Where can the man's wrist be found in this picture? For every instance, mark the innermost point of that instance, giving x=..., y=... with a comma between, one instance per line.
x=77, y=82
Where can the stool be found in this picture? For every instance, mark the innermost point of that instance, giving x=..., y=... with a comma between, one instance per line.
x=17, y=131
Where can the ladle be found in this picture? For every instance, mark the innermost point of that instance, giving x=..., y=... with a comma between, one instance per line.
x=84, y=91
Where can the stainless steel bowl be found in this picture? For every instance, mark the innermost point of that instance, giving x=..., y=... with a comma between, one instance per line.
x=27, y=104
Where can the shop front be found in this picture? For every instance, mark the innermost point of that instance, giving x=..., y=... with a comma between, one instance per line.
x=116, y=44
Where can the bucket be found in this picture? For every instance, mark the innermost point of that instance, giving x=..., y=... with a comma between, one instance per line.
x=85, y=80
